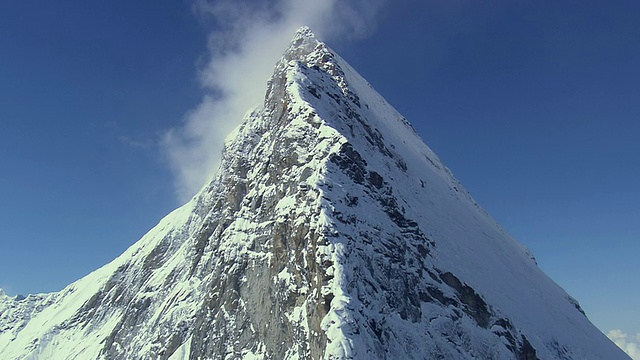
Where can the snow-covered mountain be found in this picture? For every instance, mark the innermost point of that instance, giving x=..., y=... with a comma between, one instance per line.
x=331, y=231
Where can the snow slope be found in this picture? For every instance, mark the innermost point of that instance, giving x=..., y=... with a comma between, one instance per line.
x=330, y=232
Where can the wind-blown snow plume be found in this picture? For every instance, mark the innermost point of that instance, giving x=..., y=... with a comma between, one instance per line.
x=629, y=343
x=247, y=40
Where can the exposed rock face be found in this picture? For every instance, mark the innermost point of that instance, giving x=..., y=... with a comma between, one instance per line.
x=330, y=232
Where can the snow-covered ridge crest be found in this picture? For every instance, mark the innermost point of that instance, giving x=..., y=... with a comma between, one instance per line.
x=331, y=231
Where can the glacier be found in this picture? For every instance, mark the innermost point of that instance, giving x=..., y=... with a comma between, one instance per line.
x=330, y=231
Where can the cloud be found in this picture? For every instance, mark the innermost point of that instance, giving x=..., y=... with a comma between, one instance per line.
x=129, y=141
x=629, y=343
x=247, y=39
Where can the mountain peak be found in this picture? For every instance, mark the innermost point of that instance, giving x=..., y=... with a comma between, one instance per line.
x=304, y=32
x=304, y=39
x=331, y=232
x=303, y=43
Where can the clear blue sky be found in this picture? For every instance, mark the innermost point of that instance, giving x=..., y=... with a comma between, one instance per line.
x=535, y=107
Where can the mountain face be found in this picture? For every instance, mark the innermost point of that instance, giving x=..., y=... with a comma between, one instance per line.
x=331, y=231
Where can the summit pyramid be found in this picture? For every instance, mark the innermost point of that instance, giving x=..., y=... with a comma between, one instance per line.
x=331, y=231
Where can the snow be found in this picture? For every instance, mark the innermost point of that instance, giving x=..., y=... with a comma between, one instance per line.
x=183, y=352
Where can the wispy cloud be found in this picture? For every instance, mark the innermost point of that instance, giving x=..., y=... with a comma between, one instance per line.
x=129, y=141
x=629, y=343
x=247, y=40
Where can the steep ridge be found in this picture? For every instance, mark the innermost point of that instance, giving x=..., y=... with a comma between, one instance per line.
x=330, y=231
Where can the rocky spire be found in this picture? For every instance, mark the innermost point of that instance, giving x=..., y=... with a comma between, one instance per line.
x=331, y=232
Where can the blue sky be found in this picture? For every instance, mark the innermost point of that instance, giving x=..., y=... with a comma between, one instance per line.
x=533, y=105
